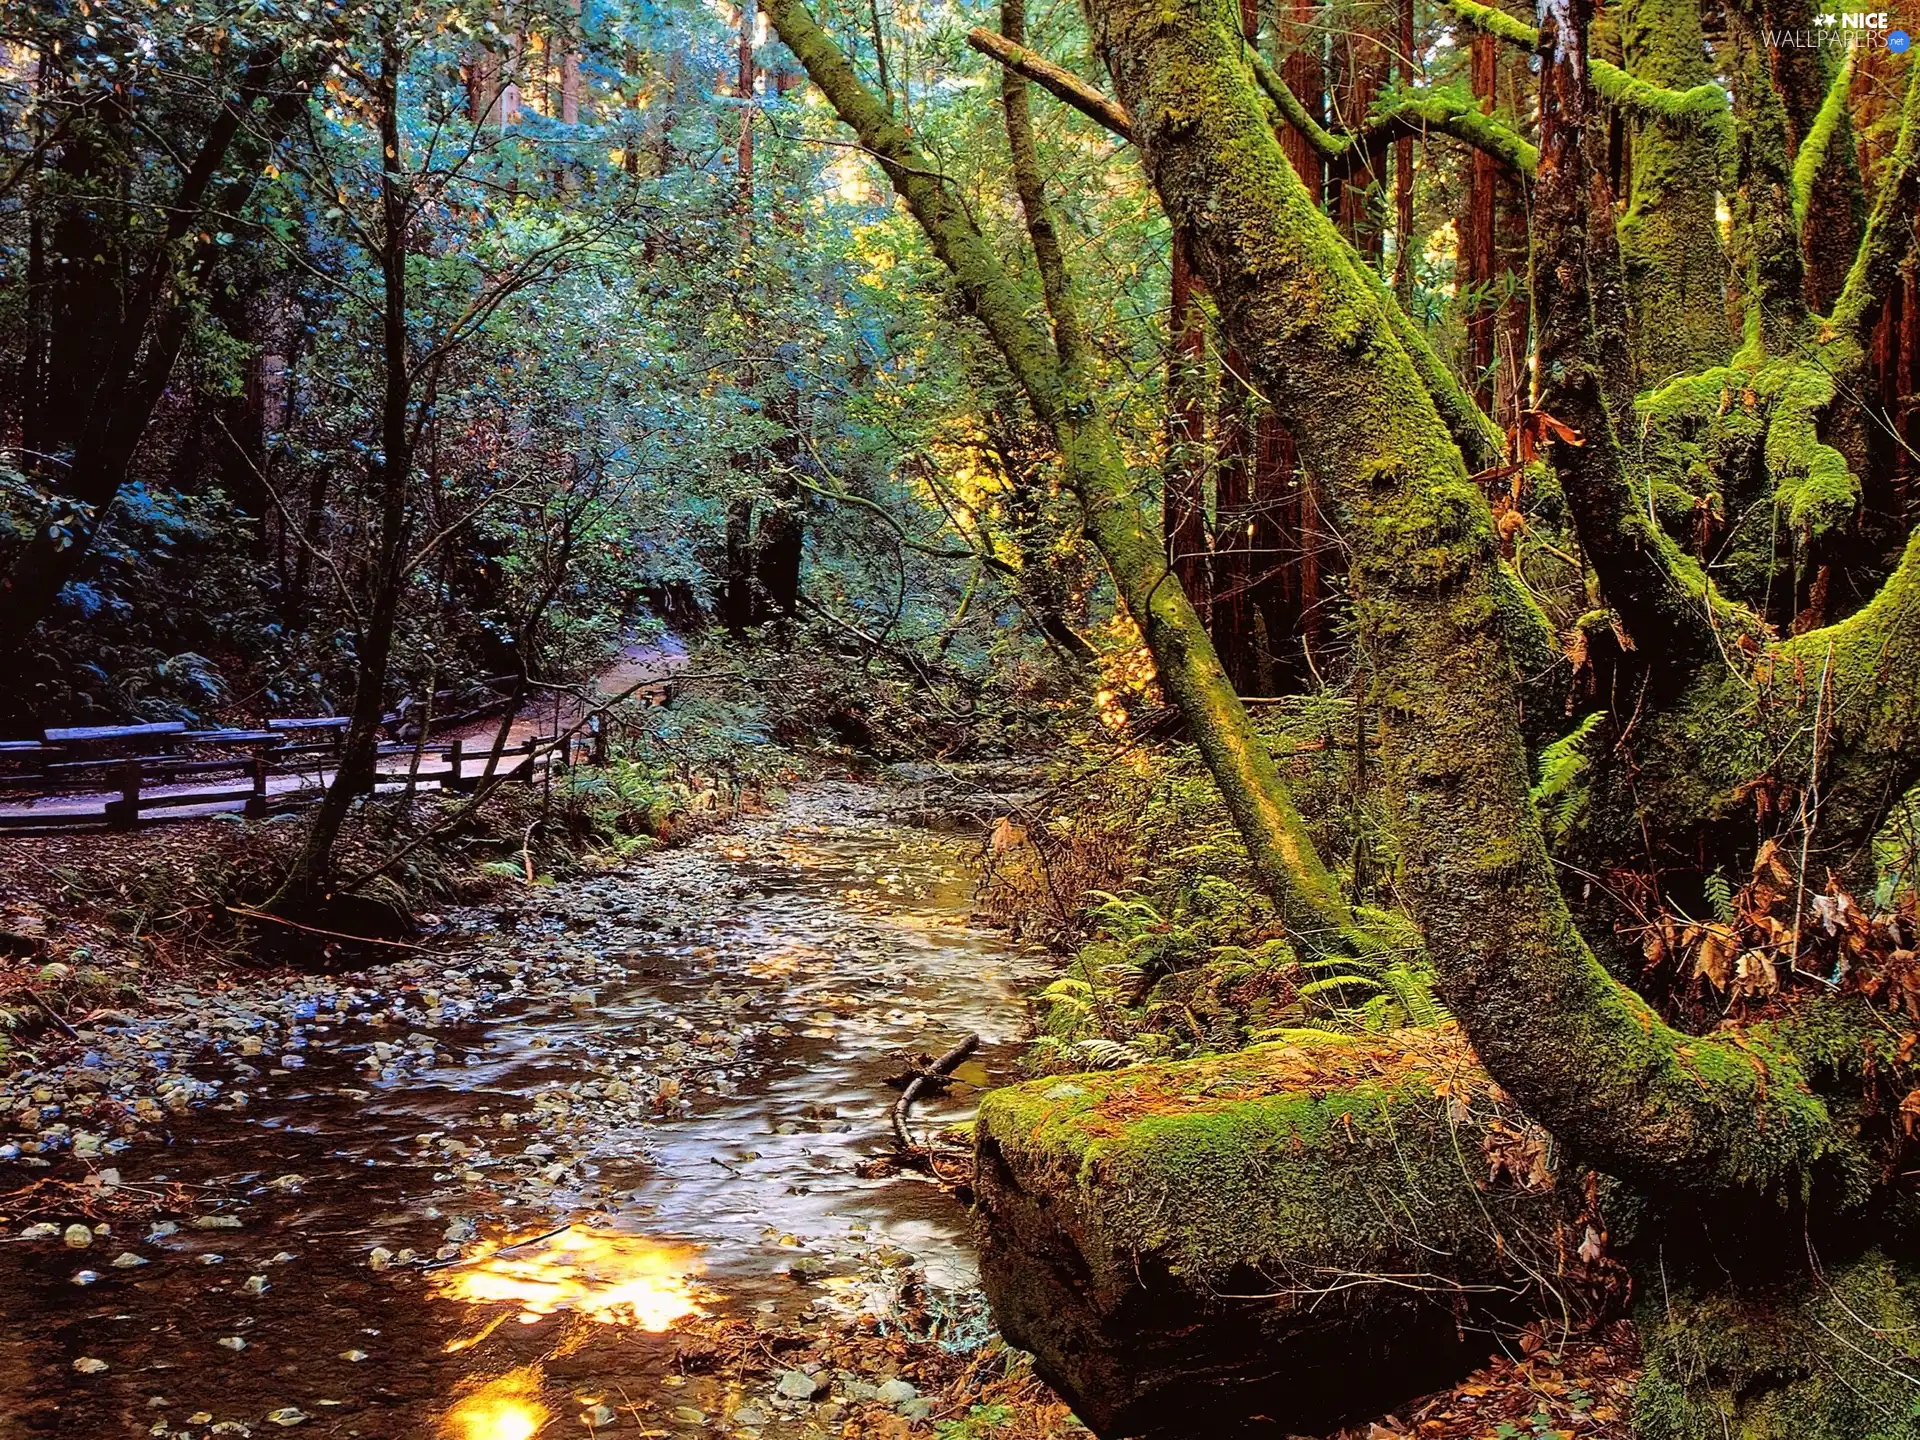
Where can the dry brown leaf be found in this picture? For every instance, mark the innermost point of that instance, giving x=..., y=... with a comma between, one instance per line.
x=1715, y=958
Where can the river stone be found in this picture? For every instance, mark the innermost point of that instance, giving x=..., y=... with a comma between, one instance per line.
x=797, y=1385
x=1183, y=1246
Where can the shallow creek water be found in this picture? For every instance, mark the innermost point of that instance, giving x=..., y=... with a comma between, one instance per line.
x=684, y=1063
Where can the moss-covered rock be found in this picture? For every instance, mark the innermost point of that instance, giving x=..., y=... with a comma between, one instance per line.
x=1278, y=1238
x=1833, y=1355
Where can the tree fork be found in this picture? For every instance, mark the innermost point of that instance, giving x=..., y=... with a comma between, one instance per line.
x=1583, y=1054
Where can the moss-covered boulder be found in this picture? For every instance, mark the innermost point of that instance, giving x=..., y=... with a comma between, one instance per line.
x=1826, y=1354
x=1265, y=1242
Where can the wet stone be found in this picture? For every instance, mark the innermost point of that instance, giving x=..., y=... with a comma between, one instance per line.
x=797, y=1385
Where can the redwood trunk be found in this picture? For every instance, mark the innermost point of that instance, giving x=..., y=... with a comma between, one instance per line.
x=1183, y=510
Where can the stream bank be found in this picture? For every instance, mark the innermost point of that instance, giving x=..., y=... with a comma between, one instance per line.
x=590, y=1159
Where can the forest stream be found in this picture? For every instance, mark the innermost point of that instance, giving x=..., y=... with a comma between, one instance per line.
x=483, y=1191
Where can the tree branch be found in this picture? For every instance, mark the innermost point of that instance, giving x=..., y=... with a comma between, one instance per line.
x=1889, y=231
x=1459, y=116
x=1704, y=104
x=1057, y=81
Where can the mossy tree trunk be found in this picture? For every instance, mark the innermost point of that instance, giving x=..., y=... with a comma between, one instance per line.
x=1584, y=1055
x=1771, y=269
x=1056, y=379
x=1803, y=1353
x=1641, y=572
x=1676, y=267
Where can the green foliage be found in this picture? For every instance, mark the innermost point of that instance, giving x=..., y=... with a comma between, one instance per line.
x=611, y=356
x=1719, y=897
x=1561, y=794
x=979, y=1423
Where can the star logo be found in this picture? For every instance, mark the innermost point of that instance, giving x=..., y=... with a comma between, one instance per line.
x=1826, y=19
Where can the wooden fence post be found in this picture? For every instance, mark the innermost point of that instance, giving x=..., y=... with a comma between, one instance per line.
x=598, y=722
x=124, y=813
x=257, y=802
x=452, y=780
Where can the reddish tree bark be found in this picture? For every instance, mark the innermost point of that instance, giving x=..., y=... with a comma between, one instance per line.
x=1233, y=570
x=1476, y=261
x=1183, y=510
x=744, y=84
x=1362, y=64
x=1403, y=164
x=570, y=68
x=1301, y=65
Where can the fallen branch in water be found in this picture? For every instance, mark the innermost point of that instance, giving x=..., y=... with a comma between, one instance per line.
x=945, y=1065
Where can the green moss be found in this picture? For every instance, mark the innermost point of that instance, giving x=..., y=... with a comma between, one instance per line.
x=1750, y=433
x=1772, y=272
x=1496, y=23
x=1831, y=124
x=1812, y=481
x=1455, y=111
x=1682, y=152
x=1541, y=665
x=1808, y=1357
x=1885, y=242
x=1315, y=1154
x=1702, y=107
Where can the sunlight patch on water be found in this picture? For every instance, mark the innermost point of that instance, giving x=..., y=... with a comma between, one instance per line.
x=611, y=1278
x=508, y=1408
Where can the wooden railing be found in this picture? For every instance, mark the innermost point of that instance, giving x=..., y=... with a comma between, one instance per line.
x=91, y=775
x=119, y=789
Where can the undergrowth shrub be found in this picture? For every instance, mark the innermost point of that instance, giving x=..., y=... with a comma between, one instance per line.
x=1139, y=875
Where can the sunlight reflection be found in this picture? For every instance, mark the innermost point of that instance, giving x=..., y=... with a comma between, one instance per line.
x=505, y=1409
x=612, y=1278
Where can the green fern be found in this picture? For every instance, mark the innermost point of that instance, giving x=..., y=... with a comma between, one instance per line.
x=1720, y=897
x=1413, y=989
x=1100, y=1053
x=1561, y=795
x=1337, y=984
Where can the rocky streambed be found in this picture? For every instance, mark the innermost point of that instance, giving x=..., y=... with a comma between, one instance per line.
x=596, y=1159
